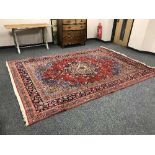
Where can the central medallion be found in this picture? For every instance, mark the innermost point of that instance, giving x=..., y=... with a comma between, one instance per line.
x=73, y=72
x=82, y=68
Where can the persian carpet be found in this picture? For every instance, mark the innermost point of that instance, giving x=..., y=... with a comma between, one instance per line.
x=47, y=85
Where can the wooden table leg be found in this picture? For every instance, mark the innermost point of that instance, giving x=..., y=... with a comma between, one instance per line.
x=45, y=37
x=16, y=40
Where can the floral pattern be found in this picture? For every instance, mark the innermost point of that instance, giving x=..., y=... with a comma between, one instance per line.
x=51, y=84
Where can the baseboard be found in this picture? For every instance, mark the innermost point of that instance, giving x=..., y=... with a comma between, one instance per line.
x=91, y=38
x=11, y=46
x=4, y=47
x=104, y=41
x=126, y=47
x=140, y=50
x=133, y=49
x=99, y=40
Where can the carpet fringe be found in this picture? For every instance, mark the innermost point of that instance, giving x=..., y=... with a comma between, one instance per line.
x=127, y=57
x=17, y=95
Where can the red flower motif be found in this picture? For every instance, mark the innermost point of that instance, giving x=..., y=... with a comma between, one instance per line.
x=58, y=70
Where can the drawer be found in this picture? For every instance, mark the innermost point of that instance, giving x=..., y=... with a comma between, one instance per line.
x=74, y=40
x=69, y=21
x=78, y=21
x=74, y=37
x=74, y=27
x=68, y=33
x=78, y=33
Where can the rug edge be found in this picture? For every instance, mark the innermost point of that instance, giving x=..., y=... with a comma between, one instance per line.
x=127, y=56
x=17, y=95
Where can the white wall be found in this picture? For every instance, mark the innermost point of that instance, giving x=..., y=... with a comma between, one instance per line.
x=143, y=35
x=138, y=33
x=92, y=28
x=149, y=40
x=107, y=25
x=30, y=37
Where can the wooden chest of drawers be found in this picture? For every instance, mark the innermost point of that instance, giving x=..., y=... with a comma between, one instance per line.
x=72, y=31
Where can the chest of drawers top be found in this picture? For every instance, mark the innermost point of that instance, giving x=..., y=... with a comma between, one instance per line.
x=74, y=21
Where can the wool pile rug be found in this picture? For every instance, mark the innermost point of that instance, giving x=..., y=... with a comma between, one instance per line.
x=47, y=85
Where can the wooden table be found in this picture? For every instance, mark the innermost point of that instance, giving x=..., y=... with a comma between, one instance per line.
x=17, y=27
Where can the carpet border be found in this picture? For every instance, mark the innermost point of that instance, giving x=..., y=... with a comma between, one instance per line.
x=127, y=57
x=71, y=52
x=17, y=95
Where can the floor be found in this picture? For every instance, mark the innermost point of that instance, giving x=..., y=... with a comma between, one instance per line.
x=128, y=111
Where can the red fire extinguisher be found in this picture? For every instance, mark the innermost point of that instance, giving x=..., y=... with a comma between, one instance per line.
x=99, y=31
